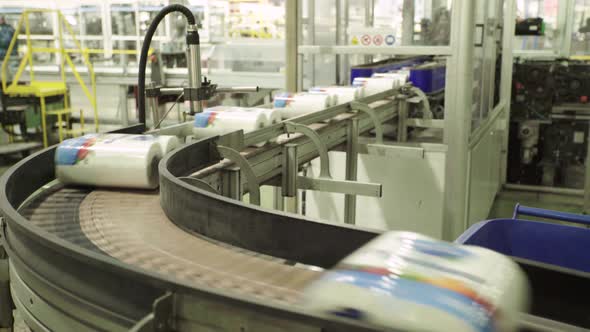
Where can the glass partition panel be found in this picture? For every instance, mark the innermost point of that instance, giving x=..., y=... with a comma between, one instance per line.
x=581, y=28
x=531, y=34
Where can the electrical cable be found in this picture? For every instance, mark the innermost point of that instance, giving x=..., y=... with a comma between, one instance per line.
x=146, y=46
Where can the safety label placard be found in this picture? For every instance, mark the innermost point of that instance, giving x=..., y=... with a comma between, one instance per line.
x=371, y=37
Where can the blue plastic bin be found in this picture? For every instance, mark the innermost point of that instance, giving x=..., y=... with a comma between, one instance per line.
x=559, y=245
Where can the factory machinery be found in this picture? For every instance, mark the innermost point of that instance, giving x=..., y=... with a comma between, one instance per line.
x=192, y=256
x=549, y=123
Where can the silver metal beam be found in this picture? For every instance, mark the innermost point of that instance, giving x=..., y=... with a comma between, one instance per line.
x=292, y=35
x=458, y=102
x=352, y=152
x=339, y=186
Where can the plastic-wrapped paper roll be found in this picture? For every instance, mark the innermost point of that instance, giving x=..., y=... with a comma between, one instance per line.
x=292, y=105
x=109, y=160
x=344, y=94
x=209, y=124
x=375, y=85
x=273, y=116
x=168, y=143
x=399, y=278
x=401, y=76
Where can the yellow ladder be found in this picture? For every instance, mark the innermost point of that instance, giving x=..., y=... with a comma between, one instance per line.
x=43, y=90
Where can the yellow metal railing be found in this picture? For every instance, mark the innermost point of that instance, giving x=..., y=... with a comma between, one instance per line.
x=45, y=89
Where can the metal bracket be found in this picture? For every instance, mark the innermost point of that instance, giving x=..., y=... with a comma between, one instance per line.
x=161, y=317
x=424, y=98
x=362, y=107
x=340, y=186
x=291, y=127
x=246, y=169
x=198, y=183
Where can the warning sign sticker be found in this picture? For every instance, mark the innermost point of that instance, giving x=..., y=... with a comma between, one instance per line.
x=378, y=40
x=390, y=40
x=354, y=41
x=366, y=40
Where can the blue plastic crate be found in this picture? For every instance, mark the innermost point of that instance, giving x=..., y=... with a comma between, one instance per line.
x=554, y=244
x=429, y=78
x=385, y=66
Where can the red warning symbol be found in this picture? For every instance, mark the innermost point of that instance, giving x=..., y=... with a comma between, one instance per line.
x=378, y=40
x=366, y=40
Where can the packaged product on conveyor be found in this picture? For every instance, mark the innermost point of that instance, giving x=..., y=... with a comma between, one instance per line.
x=168, y=143
x=223, y=120
x=401, y=76
x=111, y=160
x=292, y=105
x=411, y=282
x=375, y=85
x=344, y=94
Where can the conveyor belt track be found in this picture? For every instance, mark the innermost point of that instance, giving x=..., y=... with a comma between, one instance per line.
x=131, y=227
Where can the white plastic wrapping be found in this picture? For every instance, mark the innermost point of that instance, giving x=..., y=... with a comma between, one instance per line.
x=401, y=76
x=344, y=94
x=213, y=123
x=292, y=105
x=375, y=85
x=400, y=278
x=109, y=160
x=168, y=143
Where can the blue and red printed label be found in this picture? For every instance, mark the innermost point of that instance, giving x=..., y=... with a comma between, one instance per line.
x=282, y=100
x=462, y=305
x=205, y=119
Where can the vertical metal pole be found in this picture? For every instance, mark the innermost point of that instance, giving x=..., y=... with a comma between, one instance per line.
x=402, y=127
x=289, y=177
x=587, y=178
x=194, y=68
x=338, y=58
x=352, y=153
x=506, y=79
x=311, y=35
x=408, y=23
x=346, y=65
x=369, y=21
x=232, y=185
x=124, y=116
x=291, y=32
x=278, y=199
x=458, y=97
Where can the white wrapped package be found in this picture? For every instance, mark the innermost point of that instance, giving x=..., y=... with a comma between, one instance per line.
x=401, y=76
x=109, y=160
x=210, y=123
x=292, y=105
x=168, y=143
x=375, y=85
x=344, y=94
x=273, y=115
x=400, y=278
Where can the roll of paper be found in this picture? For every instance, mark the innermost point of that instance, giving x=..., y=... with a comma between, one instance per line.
x=209, y=124
x=343, y=94
x=109, y=160
x=399, y=278
x=375, y=85
x=400, y=76
x=292, y=105
x=168, y=143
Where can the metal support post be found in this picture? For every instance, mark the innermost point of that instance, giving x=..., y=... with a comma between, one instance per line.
x=290, y=173
x=124, y=115
x=352, y=152
x=194, y=67
x=232, y=184
x=402, y=121
x=311, y=35
x=408, y=23
x=369, y=21
x=458, y=103
x=291, y=32
x=587, y=179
